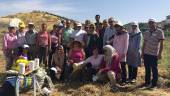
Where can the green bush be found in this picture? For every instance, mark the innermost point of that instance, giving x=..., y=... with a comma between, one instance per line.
x=167, y=33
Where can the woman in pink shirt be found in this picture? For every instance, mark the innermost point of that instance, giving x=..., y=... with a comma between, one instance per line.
x=10, y=46
x=43, y=44
x=120, y=43
x=75, y=55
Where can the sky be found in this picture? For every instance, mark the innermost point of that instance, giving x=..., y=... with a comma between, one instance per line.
x=122, y=10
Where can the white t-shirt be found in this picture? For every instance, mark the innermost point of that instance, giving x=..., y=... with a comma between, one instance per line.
x=96, y=62
x=78, y=35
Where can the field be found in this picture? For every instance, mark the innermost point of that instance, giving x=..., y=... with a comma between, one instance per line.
x=97, y=89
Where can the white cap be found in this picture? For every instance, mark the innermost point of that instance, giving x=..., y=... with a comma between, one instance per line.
x=151, y=20
x=79, y=24
x=60, y=25
x=11, y=25
x=54, y=69
x=119, y=23
x=134, y=23
x=30, y=23
x=25, y=46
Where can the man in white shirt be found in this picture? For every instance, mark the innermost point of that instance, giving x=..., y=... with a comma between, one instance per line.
x=110, y=31
x=78, y=34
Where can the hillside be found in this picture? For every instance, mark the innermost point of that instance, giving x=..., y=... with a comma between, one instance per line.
x=91, y=89
x=37, y=17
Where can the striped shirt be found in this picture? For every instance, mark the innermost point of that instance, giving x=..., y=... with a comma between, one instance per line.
x=152, y=41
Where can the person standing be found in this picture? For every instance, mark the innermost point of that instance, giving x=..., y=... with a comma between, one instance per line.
x=55, y=35
x=21, y=40
x=151, y=52
x=134, y=52
x=30, y=37
x=9, y=46
x=43, y=44
x=110, y=31
x=98, y=23
x=101, y=35
x=120, y=43
x=67, y=35
x=90, y=39
x=78, y=34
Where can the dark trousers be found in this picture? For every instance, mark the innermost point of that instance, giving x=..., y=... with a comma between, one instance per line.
x=42, y=55
x=88, y=72
x=68, y=71
x=53, y=48
x=132, y=71
x=151, y=64
x=124, y=71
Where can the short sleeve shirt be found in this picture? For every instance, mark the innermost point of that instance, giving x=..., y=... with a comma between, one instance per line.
x=152, y=41
x=78, y=35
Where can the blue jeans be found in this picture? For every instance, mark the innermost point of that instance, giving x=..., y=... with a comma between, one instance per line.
x=151, y=63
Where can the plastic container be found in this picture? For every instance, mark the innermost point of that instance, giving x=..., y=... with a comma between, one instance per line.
x=22, y=68
x=37, y=63
x=32, y=65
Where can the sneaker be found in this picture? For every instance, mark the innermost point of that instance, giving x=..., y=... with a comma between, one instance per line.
x=152, y=86
x=133, y=81
x=123, y=84
x=145, y=85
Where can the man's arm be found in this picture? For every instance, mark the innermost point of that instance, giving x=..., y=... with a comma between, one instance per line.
x=143, y=48
x=161, y=49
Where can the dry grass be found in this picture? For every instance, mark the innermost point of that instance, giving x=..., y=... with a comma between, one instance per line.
x=96, y=89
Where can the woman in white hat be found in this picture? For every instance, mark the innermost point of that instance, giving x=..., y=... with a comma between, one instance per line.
x=134, y=51
x=10, y=46
x=120, y=43
x=110, y=66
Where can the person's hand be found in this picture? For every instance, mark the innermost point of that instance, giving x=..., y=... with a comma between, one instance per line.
x=123, y=55
x=49, y=50
x=142, y=55
x=100, y=71
x=159, y=56
x=71, y=61
x=107, y=42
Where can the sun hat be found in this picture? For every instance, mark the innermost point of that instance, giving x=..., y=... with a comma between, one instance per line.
x=25, y=46
x=79, y=24
x=119, y=23
x=81, y=44
x=152, y=20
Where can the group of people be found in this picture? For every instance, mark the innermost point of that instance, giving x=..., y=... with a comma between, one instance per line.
x=98, y=51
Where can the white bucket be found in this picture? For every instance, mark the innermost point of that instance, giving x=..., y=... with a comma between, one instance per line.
x=37, y=63
x=21, y=68
x=46, y=91
x=32, y=65
x=95, y=78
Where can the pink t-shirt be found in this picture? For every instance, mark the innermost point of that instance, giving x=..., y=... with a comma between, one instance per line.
x=9, y=41
x=77, y=55
x=43, y=38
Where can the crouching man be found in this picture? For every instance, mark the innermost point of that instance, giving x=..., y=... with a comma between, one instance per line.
x=110, y=66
